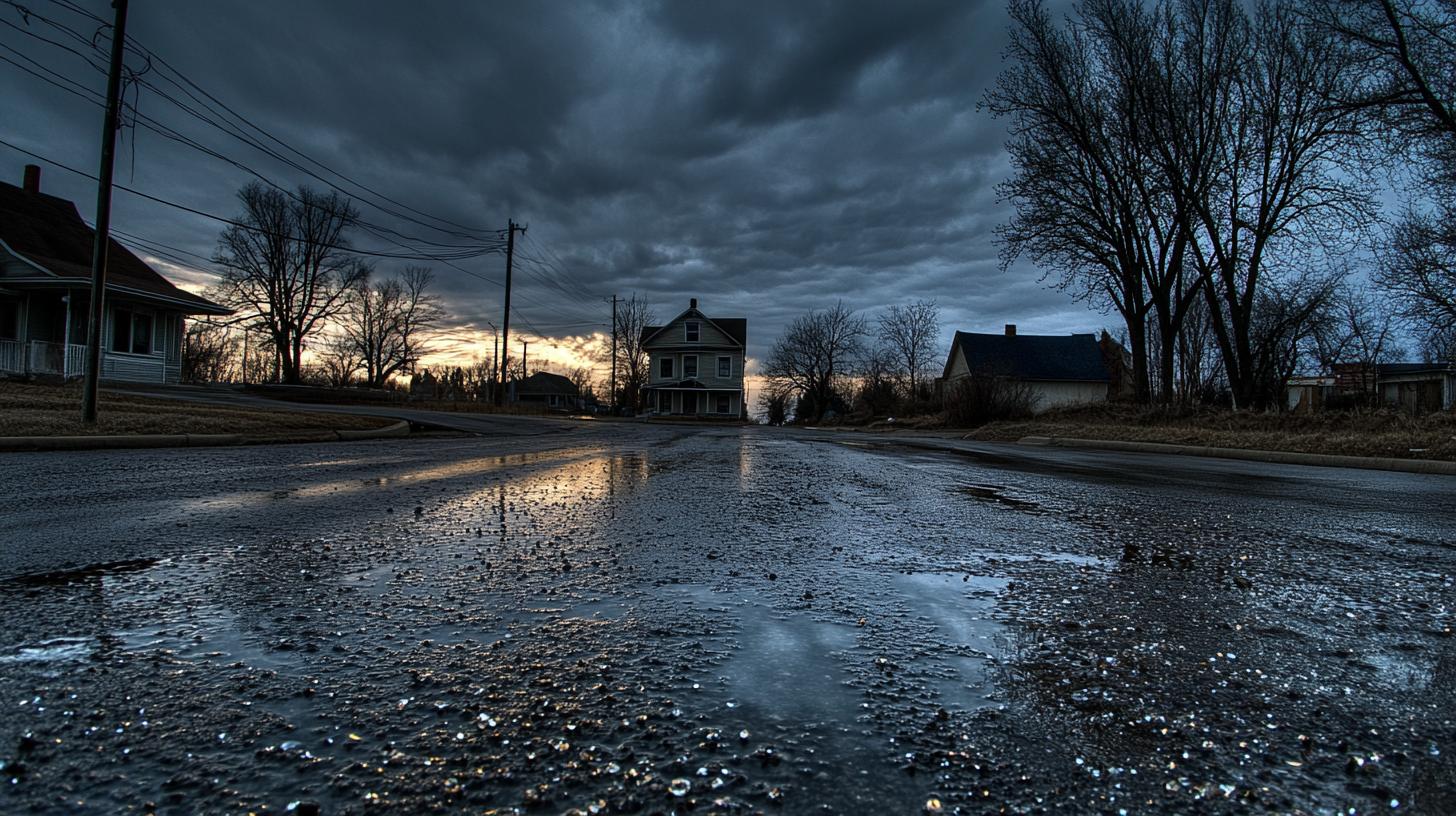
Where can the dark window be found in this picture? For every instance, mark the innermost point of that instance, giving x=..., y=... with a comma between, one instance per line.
x=131, y=332
x=690, y=366
x=690, y=331
x=9, y=320
x=725, y=367
x=723, y=404
x=665, y=368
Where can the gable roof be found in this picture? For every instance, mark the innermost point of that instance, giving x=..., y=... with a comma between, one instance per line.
x=48, y=232
x=544, y=382
x=1073, y=357
x=735, y=327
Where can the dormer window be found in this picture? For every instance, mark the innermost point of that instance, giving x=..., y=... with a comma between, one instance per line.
x=690, y=331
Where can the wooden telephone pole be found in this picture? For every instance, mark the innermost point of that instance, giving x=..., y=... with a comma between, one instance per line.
x=614, y=354
x=103, y=221
x=511, y=229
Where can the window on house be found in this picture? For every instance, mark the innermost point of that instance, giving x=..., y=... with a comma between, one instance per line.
x=131, y=332
x=9, y=320
x=722, y=407
x=690, y=366
x=690, y=331
x=725, y=367
x=664, y=368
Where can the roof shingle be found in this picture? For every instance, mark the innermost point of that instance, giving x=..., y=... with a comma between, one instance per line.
x=49, y=232
x=1075, y=357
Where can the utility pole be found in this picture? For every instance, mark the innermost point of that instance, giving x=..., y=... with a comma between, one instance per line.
x=494, y=359
x=103, y=218
x=511, y=230
x=614, y=354
x=524, y=345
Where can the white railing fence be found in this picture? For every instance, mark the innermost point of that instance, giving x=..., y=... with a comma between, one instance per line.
x=42, y=357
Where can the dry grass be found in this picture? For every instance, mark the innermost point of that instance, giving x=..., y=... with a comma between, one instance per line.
x=1371, y=433
x=52, y=410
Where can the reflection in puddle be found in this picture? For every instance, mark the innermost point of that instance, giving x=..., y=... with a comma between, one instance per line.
x=55, y=650
x=998, y=494
x=961, y=607
x=786, y=665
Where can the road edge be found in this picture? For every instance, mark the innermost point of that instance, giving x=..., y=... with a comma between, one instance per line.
x=1428, y=466
x=123, y=441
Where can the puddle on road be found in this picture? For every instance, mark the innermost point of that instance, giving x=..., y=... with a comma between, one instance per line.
x=55, y=650
x=961, y=607
x=785, y=666
x=997, y=494
x=785, y=683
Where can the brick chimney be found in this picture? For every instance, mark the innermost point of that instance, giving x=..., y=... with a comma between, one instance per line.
x=692, y=303
x=1010, y=329
x=31, y=184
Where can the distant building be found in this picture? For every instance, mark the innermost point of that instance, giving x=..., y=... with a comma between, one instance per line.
x=548, y=390
x=1305, y=395
x=45, y=294
x=1059, y=369
x=696, y=365
x=1419, y=388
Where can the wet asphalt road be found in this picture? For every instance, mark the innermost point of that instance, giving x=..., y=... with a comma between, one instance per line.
x=616, y=617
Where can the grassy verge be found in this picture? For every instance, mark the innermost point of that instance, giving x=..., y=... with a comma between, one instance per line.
x=1378, y=433
x=49, y=410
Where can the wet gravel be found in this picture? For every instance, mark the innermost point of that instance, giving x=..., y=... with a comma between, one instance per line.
x=719, y=620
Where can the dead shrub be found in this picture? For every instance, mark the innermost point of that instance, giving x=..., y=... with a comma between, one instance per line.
x=981, y=398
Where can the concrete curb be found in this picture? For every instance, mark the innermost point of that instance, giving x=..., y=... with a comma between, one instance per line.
x=1276, y=457
x=58, y=443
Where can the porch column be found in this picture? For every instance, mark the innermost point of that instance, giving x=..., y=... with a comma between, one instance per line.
x=66, y=338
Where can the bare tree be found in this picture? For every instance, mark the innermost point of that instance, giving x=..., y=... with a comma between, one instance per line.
x=338, y=361
x=1406, y=52
x=1358, y=328
x=813, y=355
x=581, y=377
x=209, y=352
x=387, y=322
x=285, y=265
x=1090, y=200
x=877, y=392
x=634, y=315
x=1282, y=184
x=480, y=379
x=911, y=336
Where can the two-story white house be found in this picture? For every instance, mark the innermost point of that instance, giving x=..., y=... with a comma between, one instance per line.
x=696, y=365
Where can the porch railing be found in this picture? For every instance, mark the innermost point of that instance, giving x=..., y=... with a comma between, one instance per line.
x=12, y=356
x=41, y=357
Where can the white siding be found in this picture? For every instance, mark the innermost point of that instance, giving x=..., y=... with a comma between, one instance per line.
x=1058, y=394
x=674, y=335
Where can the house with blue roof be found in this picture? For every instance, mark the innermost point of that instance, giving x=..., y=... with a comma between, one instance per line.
x=1059, y=370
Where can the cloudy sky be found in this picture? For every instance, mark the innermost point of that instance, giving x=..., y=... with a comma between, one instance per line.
x=767, y=158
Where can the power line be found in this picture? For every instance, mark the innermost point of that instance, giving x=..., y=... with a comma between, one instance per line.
x=219, y=119
x=195, y=211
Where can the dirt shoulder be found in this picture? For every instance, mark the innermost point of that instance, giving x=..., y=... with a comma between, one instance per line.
x=1373, y=434
x=53, y=410
x=1378, y=434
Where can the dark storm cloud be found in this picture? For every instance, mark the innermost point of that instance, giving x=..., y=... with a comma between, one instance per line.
x=766, y=158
